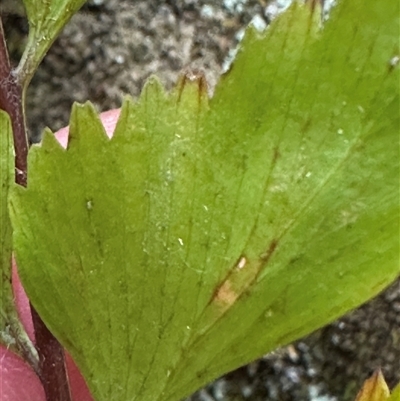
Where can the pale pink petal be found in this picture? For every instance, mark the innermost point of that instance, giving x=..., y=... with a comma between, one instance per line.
x=18, y=382
x=79, y=389
x=22, y=303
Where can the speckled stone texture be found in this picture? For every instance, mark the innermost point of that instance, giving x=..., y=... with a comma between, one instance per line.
x=108, y=50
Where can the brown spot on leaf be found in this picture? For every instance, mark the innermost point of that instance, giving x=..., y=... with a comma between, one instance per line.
x=240, y=278
x=276, y=155
x=315, y=5
x=264, y=257
x=306, y=126
x=225, y=294
x=190, y=77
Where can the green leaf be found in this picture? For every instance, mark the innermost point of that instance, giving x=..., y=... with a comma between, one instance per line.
x=207, y=233
x=46, y=20
x=12, y=334
x=374, y=389
x=395, y=396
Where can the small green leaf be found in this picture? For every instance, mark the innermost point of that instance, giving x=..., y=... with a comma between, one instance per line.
x=395, y=396
x=207, y=232
x=46, y=19
x=374, y=389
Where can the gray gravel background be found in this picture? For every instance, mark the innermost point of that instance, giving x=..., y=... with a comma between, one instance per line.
x=108, y=50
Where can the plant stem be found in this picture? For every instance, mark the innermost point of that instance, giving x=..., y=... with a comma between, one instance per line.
x=51, y=361
x=52, y=370
x=11, y=102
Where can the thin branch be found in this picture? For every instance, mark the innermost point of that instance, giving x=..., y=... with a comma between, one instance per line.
x=52, y=370
x=51, y=361
x=11, y=102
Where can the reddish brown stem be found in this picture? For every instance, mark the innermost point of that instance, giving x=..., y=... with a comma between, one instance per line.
x=51, y=362
x=11, y=102
x=52, y=370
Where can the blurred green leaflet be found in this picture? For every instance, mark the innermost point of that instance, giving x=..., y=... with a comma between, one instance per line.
x=395, y=394
x=209, y=232
x=46, y=20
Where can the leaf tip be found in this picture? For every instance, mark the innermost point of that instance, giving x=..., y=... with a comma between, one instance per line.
x=192, y=80
x=83, y=123
x=374, y=389
x=49, y=141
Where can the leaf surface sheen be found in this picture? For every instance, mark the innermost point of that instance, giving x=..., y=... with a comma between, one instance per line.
x=206, y=233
